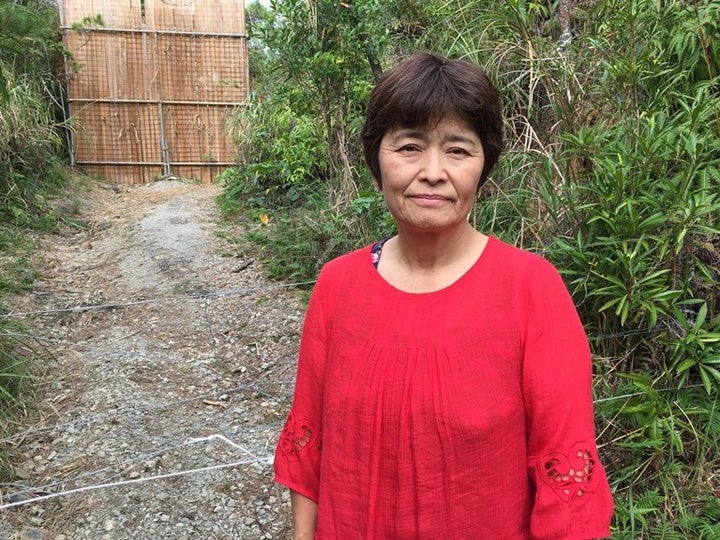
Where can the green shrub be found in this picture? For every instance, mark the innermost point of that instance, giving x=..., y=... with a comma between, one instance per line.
x=631, y=197
x=294, y=243
x=30, y=153
x=282, y=155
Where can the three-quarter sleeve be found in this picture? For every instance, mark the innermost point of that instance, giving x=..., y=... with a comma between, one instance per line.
x=297, y=456
x=572, y=498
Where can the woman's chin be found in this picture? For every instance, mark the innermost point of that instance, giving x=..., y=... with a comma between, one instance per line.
x=430, y=224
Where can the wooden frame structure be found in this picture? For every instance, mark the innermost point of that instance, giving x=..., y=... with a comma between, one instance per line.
x=151, y=85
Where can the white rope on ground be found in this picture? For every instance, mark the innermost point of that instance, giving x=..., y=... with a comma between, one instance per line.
x=123, y=304
x=224, y=439
x=256, y=460
x=144, y=457
x=128, y=466
x=265, y=461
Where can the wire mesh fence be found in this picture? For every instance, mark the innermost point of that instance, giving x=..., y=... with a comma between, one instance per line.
x=151, y=84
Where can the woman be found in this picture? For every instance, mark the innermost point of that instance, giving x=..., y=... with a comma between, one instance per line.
x=444, y=381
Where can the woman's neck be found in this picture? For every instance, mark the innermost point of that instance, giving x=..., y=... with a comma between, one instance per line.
x=428, y=261
x=428, y=250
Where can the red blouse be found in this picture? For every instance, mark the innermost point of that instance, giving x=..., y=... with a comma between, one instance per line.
x=462, y=414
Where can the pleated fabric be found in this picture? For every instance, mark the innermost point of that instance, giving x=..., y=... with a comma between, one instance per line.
x=465, y=413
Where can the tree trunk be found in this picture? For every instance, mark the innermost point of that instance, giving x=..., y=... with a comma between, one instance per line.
x=365, y=39
x=343, y=189
x=565, y=10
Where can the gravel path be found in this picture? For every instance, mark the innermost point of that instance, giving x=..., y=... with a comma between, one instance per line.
x=162, y=406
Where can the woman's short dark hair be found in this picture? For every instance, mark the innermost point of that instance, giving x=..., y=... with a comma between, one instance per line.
x=425, y=88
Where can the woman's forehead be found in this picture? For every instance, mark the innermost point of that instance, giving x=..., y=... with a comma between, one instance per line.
x=451, y=126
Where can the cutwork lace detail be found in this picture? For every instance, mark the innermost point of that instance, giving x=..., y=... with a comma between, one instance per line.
x=298, y=437
x=571, y=476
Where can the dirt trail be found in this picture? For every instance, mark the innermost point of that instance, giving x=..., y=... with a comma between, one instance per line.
x=181, y=359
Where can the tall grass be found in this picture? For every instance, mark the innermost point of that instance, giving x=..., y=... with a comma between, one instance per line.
x=30, y=149
x=31, y=171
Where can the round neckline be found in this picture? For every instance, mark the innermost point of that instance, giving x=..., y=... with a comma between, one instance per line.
x=439, y=292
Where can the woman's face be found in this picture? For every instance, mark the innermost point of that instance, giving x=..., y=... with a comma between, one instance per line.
x=430, y=175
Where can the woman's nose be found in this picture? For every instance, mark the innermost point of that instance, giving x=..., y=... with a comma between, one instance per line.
x=433, y=169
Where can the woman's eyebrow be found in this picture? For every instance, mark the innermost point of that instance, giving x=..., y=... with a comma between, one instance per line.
x=458, y=138
x=417, y=133
x=409, y=133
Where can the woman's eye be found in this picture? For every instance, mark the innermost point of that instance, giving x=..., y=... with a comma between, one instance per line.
x=409, y=148
x=459, y=151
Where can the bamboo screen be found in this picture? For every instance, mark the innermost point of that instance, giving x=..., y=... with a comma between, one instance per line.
x=151, y=85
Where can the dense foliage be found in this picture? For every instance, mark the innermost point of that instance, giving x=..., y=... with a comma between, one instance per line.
x=612, y=172
x=30, y=165
x=30, y=143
